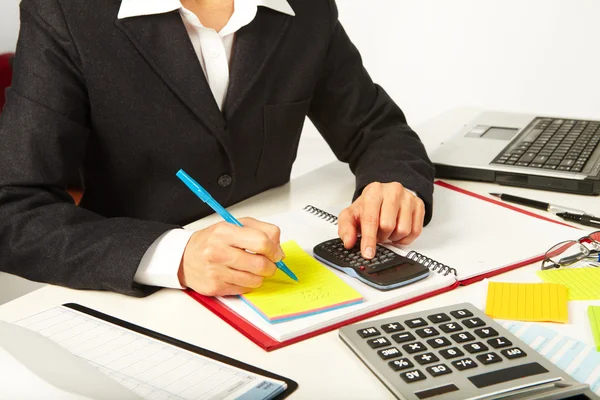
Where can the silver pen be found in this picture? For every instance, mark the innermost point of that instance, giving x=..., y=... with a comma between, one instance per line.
x=540, y=205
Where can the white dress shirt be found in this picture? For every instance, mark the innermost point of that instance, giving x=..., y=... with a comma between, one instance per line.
x=160, y=263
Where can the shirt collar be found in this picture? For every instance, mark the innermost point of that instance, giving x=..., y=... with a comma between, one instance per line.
x=136, y=8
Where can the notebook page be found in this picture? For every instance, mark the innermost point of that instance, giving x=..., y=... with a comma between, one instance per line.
x=475, y=236
x=148, y=367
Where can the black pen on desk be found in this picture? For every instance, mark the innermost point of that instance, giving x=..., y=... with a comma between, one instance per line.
x=540, y=205
x=587, y=220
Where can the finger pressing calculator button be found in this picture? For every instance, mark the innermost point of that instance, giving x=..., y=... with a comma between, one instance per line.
x=513, y=353
x=437, y=370
x=368, y=332
x=378, y=342
x=462, y=337
x=437, y=318
x=451, y=327
x=489, y=358
x=392, y=352
x=499, y=342
x=399, y=365
x=415, y=347
x=465, y=363
x=476, y=347
x=392, y=327
x=439, y=342
x=426, y=358
x=412, y=376
x=461, y=313
x=452, y=352
x=485, y=332
x=403, y=337
x=427, y=332
x=415, y=322
x=473, y=322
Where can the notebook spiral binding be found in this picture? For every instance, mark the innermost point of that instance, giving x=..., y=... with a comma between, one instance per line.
x=430, y=263
x=321, y=214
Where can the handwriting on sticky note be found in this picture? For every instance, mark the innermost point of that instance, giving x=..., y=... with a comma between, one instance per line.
x=318, y=290
x=539, y=302
x=583, y=283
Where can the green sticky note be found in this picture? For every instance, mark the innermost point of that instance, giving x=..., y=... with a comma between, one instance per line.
x=594, y=315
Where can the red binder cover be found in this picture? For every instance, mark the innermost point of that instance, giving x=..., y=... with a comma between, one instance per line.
x=268, y=343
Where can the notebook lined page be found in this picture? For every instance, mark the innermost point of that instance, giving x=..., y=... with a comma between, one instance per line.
x=150, y=368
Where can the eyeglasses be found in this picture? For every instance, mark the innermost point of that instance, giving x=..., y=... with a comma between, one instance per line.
x=569, y=252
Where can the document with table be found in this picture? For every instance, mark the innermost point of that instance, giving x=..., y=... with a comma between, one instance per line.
x=470, y=238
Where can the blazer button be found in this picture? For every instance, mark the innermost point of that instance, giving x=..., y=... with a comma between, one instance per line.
x=225, y=180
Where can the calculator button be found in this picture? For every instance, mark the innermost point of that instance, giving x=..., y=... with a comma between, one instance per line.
x=437, y=370
x=452, y=352
x=515, y=352
x=368, y=332
x=378, y=342
x=437, y=318
x=462, y=337
x=415, y=347
x=485, y=332
x=499, y=342
x=402, y=363
x=439, y=342
x=426, y=358
x=412, y=376
x=392, y=352
x=465, y=363
x=451, y=327
x=489, y=358
x=473, y=322
x=476, y=347
x=415, y=323
x=392, y=327
x=427, y=332
x=461, y=314
x=403, y=337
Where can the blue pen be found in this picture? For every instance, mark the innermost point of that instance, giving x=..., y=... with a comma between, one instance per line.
x=212, y=203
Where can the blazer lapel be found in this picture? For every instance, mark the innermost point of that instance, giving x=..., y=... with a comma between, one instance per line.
x=254, y=44
x=165, y=44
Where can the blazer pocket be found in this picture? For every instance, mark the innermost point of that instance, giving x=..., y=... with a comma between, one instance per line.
x=281, y=135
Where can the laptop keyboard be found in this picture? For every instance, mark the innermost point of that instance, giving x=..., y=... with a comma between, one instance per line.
x=558, y=144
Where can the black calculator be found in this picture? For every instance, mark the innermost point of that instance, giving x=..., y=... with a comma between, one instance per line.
x=387, y=270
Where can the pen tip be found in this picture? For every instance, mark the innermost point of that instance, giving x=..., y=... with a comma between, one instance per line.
x=495, y=194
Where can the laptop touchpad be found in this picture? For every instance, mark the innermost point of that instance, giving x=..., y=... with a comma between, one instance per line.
x=492, y=132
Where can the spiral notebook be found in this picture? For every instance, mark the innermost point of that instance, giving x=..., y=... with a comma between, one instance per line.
x=470, y=238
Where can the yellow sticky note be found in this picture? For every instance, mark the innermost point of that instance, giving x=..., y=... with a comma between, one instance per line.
x=538, y=302
x=583, y=283
x=594, y=315
x=281, y=299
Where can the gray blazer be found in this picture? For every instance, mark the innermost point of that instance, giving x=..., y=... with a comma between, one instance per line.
x=124, y=104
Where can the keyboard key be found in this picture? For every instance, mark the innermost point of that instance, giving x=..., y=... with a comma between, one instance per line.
x=461, y=314
x=515, y=352
x=437, y=318
x=416, y=347
x=392, y=352
x=473, y=322
x=489, y=358
x=415, y=323
x=499, y=342
x=399, y=365
x=452, y=352
x=462, y=337
x=368, y=332
x=392, y=327
x=465, y=363
x=412, y=376
x=486, y=332
x=439, y=342
x=476, y=347
x=426, y=358
x=427, y=332
x=451, y=327
x=403, y=337
x=437, y=370
x=378, y=342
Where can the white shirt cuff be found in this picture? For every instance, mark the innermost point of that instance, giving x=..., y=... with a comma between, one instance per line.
x=160, y=264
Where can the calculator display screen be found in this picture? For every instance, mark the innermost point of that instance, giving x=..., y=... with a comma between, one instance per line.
x=390, y=270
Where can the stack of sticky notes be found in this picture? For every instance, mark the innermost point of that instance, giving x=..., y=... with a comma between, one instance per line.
x=319, y=290
x=594, y=315
x=537, y=302
x=583, y=283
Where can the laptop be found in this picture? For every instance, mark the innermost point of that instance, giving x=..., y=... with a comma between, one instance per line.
x=530, y=151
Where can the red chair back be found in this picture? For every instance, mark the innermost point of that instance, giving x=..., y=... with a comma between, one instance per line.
x=5, y=76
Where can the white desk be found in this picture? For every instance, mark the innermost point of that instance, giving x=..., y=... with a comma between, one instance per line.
x=322, y=366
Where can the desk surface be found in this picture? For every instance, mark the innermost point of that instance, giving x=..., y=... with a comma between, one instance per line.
x=322, y=366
